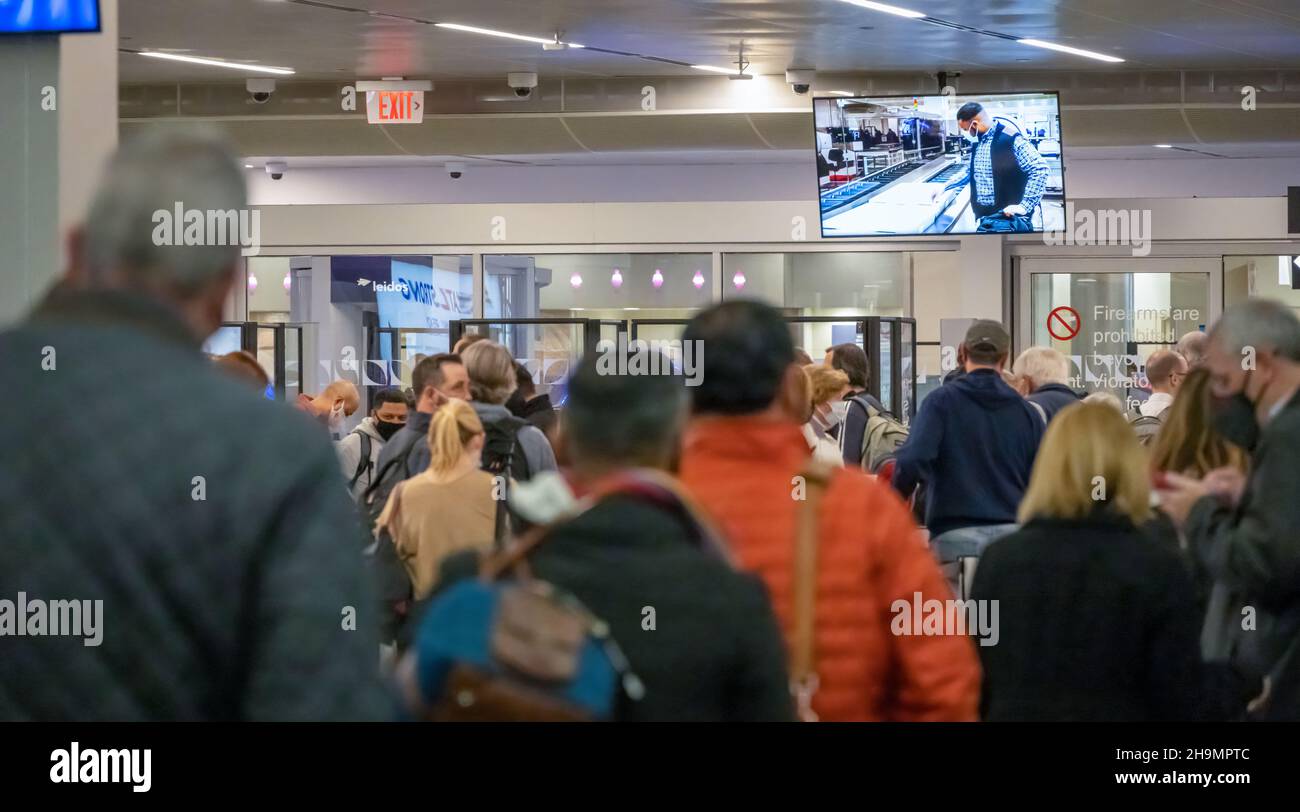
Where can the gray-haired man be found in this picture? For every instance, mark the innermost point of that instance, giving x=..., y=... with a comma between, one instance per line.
x=214, y=525
x=1246, y=531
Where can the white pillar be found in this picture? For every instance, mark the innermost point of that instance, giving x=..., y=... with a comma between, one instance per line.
x=29, y=161
x=87, y=113
x=59, y=98
x=980, y=277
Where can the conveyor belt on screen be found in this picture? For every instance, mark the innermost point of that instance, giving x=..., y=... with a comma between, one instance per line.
x=843, y=196
x=947, y=174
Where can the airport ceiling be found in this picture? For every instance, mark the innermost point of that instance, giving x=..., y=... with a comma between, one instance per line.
x=332, y=39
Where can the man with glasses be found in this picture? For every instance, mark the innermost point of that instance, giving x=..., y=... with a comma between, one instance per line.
x=1166, y=370
x=1007, y=175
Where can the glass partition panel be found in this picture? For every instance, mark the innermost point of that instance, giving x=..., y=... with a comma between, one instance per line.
x=862, y=283
x=1108, y=324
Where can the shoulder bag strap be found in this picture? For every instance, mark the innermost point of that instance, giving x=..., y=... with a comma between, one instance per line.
x=803, y=673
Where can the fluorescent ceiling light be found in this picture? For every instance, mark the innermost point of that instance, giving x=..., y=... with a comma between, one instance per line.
x=1052, y=46
x=888, y=9
x=217, y=63
x=841, y=93
x=712, y=69
x=1163, y=146
x=503, y=34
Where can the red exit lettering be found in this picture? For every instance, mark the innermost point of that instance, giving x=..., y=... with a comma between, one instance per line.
x=394, y=104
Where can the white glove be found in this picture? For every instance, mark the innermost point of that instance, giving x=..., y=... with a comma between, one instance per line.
x=1015, y=209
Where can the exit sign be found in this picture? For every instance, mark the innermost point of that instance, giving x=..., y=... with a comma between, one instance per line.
x=395, y=106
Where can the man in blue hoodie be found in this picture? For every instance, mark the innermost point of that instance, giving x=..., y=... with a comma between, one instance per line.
x=974, y=441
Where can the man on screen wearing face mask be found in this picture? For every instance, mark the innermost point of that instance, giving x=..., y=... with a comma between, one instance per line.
x=1007, y=175
x=337, y=402
x=359, y=451
x=1246, y=530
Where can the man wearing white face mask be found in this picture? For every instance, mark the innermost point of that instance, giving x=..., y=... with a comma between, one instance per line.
x=336, y=402
x=1006, y=174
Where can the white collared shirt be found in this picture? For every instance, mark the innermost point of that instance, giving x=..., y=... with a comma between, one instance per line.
x=1155, y=405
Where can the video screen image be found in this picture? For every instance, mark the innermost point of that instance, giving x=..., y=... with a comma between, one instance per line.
x=48, y=16
x=913, y=165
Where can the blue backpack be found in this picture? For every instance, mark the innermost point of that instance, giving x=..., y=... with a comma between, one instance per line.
x=518, y=650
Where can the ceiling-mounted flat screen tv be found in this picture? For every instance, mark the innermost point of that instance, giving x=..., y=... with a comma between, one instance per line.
x=916, y=165
x=49, y=16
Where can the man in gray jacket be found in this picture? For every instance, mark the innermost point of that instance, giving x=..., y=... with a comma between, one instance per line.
x=197, y=539
x=359, y=451
x=1246, y=531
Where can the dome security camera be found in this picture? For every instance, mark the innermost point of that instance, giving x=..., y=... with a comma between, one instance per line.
x=800, y=80
x=260, y=90
x=523, y=83
x=276, y=169
x=455, y=169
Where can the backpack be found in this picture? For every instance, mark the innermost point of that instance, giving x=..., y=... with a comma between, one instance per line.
x=501, y=452
x=364, y=463
x=881, y=437
x=1146, y=426
x=392, y=584
x=520, y=649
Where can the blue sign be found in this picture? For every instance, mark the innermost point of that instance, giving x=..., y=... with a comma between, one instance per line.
x=48, y=16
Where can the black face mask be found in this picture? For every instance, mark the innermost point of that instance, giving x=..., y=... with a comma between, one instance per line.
x=386, y=429
x=1234, y=418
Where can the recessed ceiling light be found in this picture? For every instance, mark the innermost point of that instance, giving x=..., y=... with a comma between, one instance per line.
x=712, y=69
x=217, y=63
x=841, y=93
x=248, y=166
x=1052, y=46
x=888, y=9
x=1163, y=146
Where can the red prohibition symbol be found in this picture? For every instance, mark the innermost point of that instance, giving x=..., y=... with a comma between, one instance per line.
x=1056, y=321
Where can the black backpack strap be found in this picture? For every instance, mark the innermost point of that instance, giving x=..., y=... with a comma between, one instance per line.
x=363, y=463
x=403, y=456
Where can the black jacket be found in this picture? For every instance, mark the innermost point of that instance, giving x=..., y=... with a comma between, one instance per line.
x=973, y=445
x=538, y=412
x=235, y=596
x=1053, y=397
x=1097, y=622
x=715, y=652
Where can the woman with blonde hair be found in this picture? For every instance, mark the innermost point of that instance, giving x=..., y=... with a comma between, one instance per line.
x=1096, y=621
x=450, y=506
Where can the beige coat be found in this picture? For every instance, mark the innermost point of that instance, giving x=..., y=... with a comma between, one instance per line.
x=429, y=520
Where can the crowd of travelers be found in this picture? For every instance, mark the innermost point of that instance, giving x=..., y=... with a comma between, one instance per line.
x=741, y=549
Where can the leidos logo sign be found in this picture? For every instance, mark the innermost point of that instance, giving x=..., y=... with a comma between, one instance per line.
x=387, y=287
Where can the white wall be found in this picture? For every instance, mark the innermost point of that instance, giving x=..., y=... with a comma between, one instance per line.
x=783, y=180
